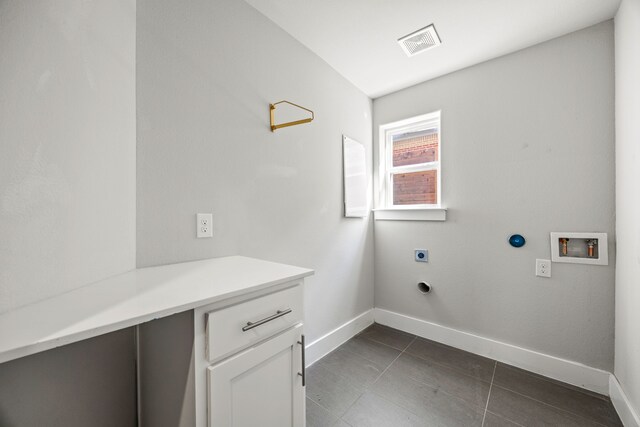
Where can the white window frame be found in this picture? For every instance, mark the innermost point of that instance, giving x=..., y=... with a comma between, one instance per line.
x=387, y=170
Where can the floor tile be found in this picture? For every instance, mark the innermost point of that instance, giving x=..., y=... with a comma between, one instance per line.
x=318, y=416
x=373, y=411
x=371, y=350
x=330, y=390
x=531, y=413
x=469, y=363
x=492, y=420
x=454, y=382
x=435, y=406
x=383, y=377
x=389, y=336
x=598, y=409
x=360, y=372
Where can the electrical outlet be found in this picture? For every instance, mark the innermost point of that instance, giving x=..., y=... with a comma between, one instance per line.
x=421, y=255
x=203, y=225
x=543, y=268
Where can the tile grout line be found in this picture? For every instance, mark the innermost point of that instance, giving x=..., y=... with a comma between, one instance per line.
x=329, y=410
x=486, y=407
x=361, y=356
x=392, y=362
x=505, y=418
x=388, y=345
x=326, y=409
x=416, y=380
x=380, y=376
x=361, y=392
x=346, y=411
x=431, y=386
x=455, y=369
x=550, y=405
x=416, y=337
x=451, y=367
x=365, y=388
x=571, y=387
x=541, y=377
x=531, y=374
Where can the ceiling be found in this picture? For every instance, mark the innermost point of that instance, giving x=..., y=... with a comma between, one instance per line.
x=359, y=37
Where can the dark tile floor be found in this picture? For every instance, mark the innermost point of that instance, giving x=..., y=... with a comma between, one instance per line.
x=385, y=377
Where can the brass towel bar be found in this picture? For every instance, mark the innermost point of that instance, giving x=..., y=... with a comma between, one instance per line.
x=274, y=126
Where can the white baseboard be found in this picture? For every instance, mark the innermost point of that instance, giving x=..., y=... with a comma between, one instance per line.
x=627, y=414
x=549, y=366
x=334, y=339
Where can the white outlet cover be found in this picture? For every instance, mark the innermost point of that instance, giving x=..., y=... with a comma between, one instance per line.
x=543, y=267
x=204, y=225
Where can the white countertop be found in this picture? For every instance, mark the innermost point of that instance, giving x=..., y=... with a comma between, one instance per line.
x=132, y=298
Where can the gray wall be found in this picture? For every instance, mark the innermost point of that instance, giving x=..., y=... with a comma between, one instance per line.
x=67, y=197
x=67, y=145
x=166, y=372
x=627, y=366
x=88, y=383
x=206, y=73
x=527, y=147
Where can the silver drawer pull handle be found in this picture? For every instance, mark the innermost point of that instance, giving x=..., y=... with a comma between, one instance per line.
x=303, y=374
x=279, y=313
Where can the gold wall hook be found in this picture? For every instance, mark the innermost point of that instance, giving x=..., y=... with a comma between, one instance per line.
x=274, y=126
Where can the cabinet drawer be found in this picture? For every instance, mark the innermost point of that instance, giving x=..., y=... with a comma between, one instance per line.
x=235, y=327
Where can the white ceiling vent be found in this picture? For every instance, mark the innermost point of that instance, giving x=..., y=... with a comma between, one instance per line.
x=419, y=41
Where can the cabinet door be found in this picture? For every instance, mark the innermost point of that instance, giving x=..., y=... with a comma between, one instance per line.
x=260, y=386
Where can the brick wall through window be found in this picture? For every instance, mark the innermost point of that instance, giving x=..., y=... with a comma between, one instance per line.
x=410, y=162
x=416, y=188
x=421, y=148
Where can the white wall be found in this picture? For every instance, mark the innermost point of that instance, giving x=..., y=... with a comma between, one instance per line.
x=67, y=145
x=67, y=197
x=206, y=73
x=527, y=147
x=627, y=363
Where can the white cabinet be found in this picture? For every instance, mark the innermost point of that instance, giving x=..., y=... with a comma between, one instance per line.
x=261, y=386
x=249, y=362
x=237, y=362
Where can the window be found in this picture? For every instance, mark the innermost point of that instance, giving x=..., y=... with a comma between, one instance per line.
x=410, y=163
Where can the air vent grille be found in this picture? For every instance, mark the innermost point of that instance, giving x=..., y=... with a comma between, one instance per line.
x=420, y=41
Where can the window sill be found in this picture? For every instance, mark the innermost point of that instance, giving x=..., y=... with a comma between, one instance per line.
x=410, y=214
